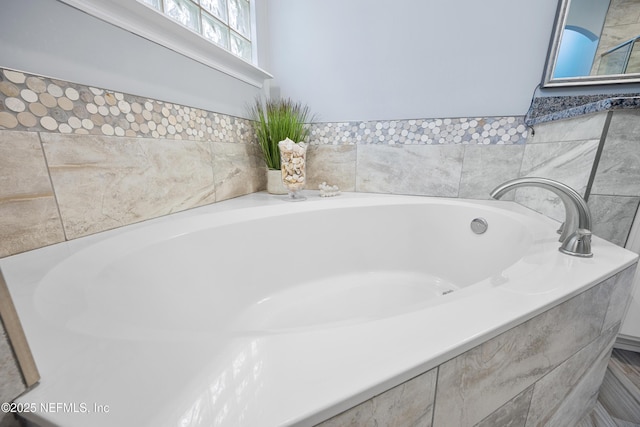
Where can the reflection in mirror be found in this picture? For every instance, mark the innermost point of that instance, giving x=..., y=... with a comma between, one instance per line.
x=622, y=59
x=595, y=42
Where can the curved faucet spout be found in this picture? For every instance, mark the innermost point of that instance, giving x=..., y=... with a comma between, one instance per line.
x=577, y=225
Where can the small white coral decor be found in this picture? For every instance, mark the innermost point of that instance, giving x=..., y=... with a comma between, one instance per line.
x=327, y=190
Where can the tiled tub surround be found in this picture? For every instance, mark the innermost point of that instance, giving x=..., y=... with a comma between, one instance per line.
x=431, y=157
x=125, y=150
x=608, y=175
x=544, y=372
x=612, y=189
x=56, y=187
x=544, y=368
x=595, y=153
x=76, y=160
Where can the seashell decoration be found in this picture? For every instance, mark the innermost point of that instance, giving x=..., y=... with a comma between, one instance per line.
x=293, y=159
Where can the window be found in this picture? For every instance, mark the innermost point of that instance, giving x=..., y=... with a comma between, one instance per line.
x=226, y=23
x=216, y=33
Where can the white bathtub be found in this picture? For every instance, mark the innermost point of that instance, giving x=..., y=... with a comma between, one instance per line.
x=260, y=312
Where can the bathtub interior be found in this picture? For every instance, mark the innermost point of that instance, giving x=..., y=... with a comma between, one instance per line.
x=280, y=272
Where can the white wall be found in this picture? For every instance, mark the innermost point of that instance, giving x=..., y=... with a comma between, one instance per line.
x=401, y=59
x=349, y=60
x=50, y=38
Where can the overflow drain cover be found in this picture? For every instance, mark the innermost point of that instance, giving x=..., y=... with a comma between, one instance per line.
x=479, y=225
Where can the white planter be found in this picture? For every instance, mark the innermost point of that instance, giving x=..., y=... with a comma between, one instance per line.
x=274, y=182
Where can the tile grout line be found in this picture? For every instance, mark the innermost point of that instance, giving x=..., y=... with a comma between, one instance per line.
x=596, y=160
x=53, y=189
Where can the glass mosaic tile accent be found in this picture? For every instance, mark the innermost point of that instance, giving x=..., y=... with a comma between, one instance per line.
x=35, y=103
x=488, y=130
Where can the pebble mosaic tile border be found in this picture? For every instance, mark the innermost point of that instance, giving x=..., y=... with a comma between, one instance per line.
x=491, y=130
x=35, y=103
x=41, y=104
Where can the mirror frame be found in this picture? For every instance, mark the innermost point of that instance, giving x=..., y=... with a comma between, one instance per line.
x=554, y=46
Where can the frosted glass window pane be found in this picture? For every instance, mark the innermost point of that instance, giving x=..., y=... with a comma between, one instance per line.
x=156, y=4
x=183, y=11
x=215, y=31
x=239, y=17
x=217, y=7
x=226, y=23
x=240, y=47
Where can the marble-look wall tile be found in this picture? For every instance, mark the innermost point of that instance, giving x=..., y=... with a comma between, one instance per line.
x=559, y=397
x=487, y=166
x=612, y=216
x=512, y=414
x=584, y=396
x=419, y=170
x=598, y=417
x=475, y=384
x=567, y=162
x=8, y=420
x=333, y=164
x=620, y=287
x=11, y=381
x=618, y=171
x=28, y=213
x=581, y=128
x=238, y=169
x=408, y=405
x=107, y=182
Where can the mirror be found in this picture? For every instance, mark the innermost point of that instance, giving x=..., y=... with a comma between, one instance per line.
x=594, y=42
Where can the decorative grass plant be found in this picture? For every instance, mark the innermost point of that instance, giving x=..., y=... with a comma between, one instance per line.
x=277, y=120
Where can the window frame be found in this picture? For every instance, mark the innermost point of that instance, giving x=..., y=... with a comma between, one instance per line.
x=143, y=20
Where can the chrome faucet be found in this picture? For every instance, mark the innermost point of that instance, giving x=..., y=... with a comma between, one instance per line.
x=575, y=233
